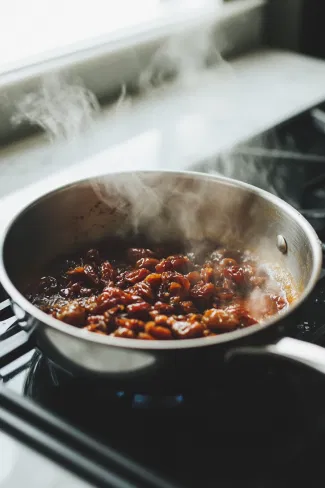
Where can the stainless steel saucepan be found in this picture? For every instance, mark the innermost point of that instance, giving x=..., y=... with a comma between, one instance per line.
x=161, y=204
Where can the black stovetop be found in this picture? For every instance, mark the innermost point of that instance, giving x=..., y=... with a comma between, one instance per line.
x=264, y=421
x=262, y=426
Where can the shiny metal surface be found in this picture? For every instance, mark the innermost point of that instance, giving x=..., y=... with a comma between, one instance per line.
x=161, y=204
x=282, y=244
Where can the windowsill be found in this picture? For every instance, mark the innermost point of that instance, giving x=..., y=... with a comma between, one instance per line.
x=106, y=62
x=178, y=128
x=58, y=33
x=57, y=28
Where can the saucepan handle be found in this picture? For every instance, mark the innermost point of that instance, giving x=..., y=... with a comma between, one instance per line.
x=294, y=350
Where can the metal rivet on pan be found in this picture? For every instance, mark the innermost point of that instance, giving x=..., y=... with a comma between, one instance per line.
x=281, y=244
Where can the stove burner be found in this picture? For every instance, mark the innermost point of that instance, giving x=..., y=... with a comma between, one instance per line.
x=264, y=417
x=150, y=402
x=45, y=376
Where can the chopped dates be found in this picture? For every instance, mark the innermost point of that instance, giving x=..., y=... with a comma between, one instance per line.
x=151, y=294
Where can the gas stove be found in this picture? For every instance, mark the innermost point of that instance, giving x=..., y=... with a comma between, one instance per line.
x=257, y=426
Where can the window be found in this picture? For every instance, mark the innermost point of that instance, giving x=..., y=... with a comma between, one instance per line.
x=39, y=28
x=105, y=42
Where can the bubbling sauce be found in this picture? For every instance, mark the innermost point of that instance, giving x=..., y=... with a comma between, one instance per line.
x=159, y=293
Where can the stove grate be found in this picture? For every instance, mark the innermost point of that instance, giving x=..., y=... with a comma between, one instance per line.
x=47, y=433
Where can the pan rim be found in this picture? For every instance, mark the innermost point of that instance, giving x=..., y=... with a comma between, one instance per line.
x=174, y=344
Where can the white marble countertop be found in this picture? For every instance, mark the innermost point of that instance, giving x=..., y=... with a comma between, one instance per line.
x=170, y=129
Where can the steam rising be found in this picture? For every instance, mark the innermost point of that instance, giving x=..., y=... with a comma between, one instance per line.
x=183, y=58
x=64, y=110
x=257, y=302
x=163, y=208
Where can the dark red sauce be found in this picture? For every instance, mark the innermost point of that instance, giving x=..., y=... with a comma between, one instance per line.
x=157, y=293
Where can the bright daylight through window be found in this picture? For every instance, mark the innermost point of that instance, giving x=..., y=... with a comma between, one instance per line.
x=36, y=29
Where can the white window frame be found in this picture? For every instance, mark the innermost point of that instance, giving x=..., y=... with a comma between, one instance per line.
x=103, y=64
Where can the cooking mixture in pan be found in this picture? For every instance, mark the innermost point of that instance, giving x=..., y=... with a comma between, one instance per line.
x=124, y=290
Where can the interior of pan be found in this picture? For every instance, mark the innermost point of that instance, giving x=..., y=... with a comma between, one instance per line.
x=163, y=206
